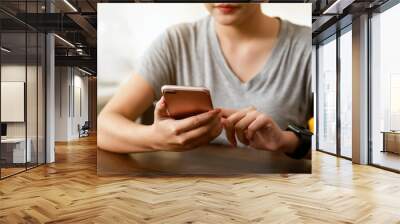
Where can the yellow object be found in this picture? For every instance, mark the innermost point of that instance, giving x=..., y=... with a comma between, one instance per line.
x=311, y=125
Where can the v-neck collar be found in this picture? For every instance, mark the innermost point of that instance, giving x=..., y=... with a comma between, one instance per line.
x=220, y=58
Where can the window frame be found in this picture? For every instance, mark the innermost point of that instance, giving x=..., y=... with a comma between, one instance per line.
x=28, y=29
x=378, y=10
x=334, y=37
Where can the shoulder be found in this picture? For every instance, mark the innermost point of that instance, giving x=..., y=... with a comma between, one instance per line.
x=190, y=31
x=297, y=32
x=300, y=36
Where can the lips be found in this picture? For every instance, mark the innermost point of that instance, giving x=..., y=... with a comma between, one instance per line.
x=226, y=8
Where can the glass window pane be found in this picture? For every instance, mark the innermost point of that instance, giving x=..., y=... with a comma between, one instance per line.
x=41, y=98
x=385, y=86
x=31, y=97
x=327, y=97
x=23, y=85
x=14, y=153
x=32, y=87
x=346, y=94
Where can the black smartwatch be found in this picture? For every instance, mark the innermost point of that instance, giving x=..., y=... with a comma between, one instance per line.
x=304, y=136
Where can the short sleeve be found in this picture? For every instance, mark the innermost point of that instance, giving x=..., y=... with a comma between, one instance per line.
x=309, y=92
x=156, y=65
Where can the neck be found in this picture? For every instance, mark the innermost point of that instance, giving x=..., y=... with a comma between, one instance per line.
x=250, y=28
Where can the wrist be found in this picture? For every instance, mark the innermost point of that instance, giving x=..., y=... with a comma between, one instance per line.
x=289, y=142
x=139, y=137
x=146, y=137
x=153, y=138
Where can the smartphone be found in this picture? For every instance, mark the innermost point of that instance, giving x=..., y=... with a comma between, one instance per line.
x=186, y=101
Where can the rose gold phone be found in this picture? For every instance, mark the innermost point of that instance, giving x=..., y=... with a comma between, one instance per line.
x=186, y=101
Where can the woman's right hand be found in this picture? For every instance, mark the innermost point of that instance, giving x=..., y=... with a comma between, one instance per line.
x=184, y=134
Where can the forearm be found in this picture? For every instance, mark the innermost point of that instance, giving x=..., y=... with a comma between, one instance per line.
x=117, y=133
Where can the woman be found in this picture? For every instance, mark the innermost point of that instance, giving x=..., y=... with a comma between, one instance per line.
x=256, y=67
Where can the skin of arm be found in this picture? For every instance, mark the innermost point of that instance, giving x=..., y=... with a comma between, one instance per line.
x=117, y=131
x=115, y=121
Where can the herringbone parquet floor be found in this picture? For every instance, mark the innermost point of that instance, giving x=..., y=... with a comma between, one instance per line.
x=69, y=191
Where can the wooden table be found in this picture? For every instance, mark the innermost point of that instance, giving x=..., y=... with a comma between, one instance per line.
x=205, y=160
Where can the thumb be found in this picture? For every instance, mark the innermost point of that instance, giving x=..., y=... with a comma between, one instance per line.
x=160, y=110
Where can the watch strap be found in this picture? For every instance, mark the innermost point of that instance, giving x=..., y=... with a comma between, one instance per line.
x=305, y=142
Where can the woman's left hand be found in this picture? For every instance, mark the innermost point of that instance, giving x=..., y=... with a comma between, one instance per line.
x=257, y=130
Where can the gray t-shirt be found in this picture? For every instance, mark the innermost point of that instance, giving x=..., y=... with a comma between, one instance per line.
x=189, y=54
